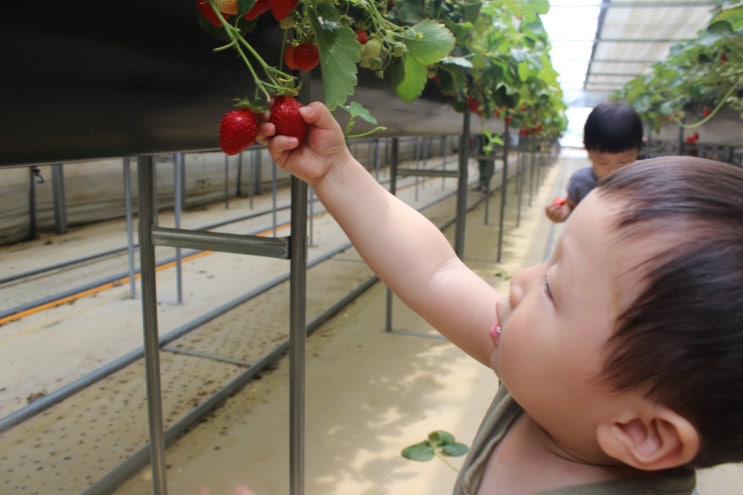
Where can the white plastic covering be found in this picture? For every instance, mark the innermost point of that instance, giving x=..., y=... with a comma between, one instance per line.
x=628, y=36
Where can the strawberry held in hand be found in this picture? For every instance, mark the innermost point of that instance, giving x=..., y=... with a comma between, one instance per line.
x=237, y=130
x=285, y=117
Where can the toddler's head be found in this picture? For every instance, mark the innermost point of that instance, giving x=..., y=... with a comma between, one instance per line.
x=681, y=338
x=612, y=136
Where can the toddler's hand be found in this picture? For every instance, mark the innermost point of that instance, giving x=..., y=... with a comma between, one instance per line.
x=324, y=145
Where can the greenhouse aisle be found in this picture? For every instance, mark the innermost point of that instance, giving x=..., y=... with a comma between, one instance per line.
x=371, y=393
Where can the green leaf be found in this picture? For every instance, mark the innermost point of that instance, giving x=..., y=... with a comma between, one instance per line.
x=432, y=42
x=420, y=452
x=714, y=33
x=339, y=53
x=458, y=61
x=440, y=437
x=409, y=10
x=455, y=449
x=356, y=109
x=523, y=70
x=408, y=78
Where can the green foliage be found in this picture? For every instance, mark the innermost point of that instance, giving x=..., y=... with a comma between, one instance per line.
x=439, y=443
x=491, y=52
x=698, y=78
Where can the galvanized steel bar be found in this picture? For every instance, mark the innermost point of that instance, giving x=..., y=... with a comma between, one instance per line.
x=129, y=226
x=273, y=247
x=145, y=177
x=60, y=209
x=504, y=189
x=464, y=156
x=178, y=208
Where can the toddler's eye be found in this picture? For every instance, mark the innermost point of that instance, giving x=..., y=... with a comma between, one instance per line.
x=546, y=287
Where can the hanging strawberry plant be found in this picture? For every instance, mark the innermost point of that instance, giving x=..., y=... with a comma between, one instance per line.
x=705, y=73
x=494, y=53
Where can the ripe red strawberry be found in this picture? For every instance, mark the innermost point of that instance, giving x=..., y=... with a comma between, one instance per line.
x=282, y=8
x=361, y=36
x=289, y=57
x=693, y=138
x=306, y=56
x=259, y=7
x=207, y=11
x=237, y=130
x=473, y=103
x=285, y=116
x=706, y=112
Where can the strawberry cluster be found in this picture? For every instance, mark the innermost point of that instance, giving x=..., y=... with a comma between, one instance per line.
x=280, y=9
x=239, y=128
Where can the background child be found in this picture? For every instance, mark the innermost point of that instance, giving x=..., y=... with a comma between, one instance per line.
x=619, y=357
x=612, y=136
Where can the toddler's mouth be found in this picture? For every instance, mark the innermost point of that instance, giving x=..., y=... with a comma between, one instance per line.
x=495, y=333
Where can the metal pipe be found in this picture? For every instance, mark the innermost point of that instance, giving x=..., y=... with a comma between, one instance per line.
x=274, y=247
x=129, y=226
x=177, y=209
x=462, y=185
x=60, y=209
x=145, y=176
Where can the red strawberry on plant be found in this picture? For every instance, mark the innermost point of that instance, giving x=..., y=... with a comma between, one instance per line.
x=289, y=57
x=306, y=56
x=284, y=115
x=237, y=130
x=362, y=36
x=259, y=7
x=207, y=11
x=693, y=138
x=706, y=112
x=282, y=8
x=473, y=103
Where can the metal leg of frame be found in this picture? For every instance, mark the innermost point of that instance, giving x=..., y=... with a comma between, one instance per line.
x=145, y=178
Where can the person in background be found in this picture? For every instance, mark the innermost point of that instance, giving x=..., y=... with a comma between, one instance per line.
x=485, y=164
x=613, y=137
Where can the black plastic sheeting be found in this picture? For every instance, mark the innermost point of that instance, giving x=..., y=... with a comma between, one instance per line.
x=83, y=80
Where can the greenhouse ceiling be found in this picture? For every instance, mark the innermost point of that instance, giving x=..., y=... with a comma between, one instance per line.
x=598, y=46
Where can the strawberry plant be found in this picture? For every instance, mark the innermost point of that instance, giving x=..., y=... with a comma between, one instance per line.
x=495, y=53
x=703, y=73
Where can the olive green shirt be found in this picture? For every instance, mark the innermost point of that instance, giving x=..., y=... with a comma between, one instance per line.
x=498, y=420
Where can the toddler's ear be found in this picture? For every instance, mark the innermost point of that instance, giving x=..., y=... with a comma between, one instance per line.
x=657, y=439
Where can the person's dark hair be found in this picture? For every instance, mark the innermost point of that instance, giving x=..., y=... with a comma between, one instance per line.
x=613, y=128
x=682, y=337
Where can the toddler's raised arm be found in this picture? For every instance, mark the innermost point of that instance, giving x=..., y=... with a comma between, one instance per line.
x=403, y=247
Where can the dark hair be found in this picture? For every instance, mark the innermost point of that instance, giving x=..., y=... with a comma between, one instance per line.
x=682, y=337
x=613, y=127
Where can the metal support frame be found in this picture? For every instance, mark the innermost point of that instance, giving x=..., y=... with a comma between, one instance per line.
x=461, y=213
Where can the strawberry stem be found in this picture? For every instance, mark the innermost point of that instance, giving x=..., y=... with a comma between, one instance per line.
x=278, y=82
